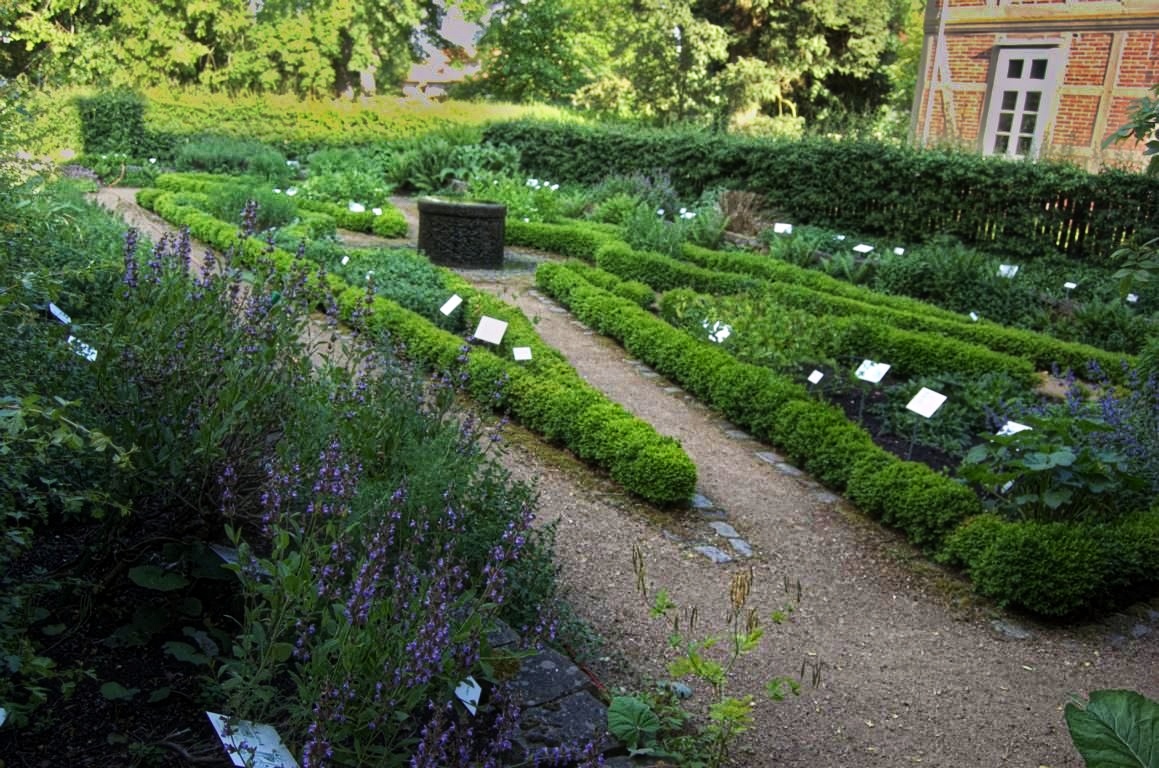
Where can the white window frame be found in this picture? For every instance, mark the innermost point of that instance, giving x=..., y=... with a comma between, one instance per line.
x=1001, y=83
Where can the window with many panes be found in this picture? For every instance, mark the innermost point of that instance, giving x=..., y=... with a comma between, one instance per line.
x=1024, y=81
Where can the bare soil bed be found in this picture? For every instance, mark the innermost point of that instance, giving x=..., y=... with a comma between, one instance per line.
x=914, y=669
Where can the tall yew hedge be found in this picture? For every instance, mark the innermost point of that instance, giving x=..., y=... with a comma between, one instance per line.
x=1018, y=209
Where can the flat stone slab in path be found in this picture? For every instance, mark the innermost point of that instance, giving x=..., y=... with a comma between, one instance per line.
x=547, y=676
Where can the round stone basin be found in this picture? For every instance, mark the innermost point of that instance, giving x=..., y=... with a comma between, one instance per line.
x=462, y=234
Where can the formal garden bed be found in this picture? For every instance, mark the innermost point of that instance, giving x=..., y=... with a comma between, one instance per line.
x=198, y=517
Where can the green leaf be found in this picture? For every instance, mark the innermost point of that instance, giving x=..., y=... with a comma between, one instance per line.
x=633, y=722
x=117, y=692
x=185, y=652
x=154, y=577
x=1118, y=729
x=279, y=652
x=160, y=694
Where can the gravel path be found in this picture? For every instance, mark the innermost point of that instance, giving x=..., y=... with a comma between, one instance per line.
x=914, y=670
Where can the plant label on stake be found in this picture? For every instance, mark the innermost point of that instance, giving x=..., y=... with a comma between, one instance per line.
x=59, y=314
x=1132, y=298
x=780, y=228
x=815, y=377
x=899, y=251
x=451, y=304
x=345, y=260
x=862, y=248
x=1007, y=270
x=82, y=349
x=871, y=373
x=718, y=332
x=251, y=745
x=1070, y=285
x=521, y=353
x=1013, y=428
x=469, y=692
x=490, y=330
x=925, y=404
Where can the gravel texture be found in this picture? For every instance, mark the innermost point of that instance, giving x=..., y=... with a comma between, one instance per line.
x=913, y=668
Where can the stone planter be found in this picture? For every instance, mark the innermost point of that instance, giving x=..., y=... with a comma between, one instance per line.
x=455, y=234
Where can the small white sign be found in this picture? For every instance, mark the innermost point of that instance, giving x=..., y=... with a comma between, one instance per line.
x=719, y=331
x=1013, y=428
x=490, y=330
x=1007, y=270
x=469, y=692
x=376, y=211
x=863, y=248
x=782, y=228
x=1009, y=484
x=871, y=371
x=974, y=316
x=815, y=377
x=1132, y=298
x=3, y=715
x=838, y=237
x=251, y=745
x=899, y=251
x=521, y=353
x=292, y=191
x=926, y=402
x=451, y=304
x=356, y=207
x=1070, y=286
x=82, y=349
x=345, y=260
x=59, y=314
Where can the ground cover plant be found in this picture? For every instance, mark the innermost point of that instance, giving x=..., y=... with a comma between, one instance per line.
x=189, y=416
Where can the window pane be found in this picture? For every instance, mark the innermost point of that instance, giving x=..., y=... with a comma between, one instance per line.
x=1005, y=121
x=1001, y=142
x=1028, y=123
x=1033, y=101
x=1024, y=145
x=1009, y=100
x=1038, y=69
x=1014, y=68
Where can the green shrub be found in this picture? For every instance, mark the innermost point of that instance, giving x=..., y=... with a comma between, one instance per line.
x=663, y=273
x=113, y=122
x=1053, y=569
x=227, y=155
x=574, y=240
x=228, y=202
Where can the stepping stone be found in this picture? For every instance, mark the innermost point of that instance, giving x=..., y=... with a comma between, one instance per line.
x=1140, y=631
x=501, y=634
x=557, y=310
x=630, y=361
x=573, y=719
x=789, y=469
x=741, y=547
x=825, y=497
x=724, y=529
x=700, y=501
x=769, y=457
x=715, y=555
x=670, y=536
x=588, y=333
x=737, y=434
x=643, y=368
x=535, y=293
x=713, y=514
x=1008, y=630
x=648, y=374
x=547, y=676
x=672, y=390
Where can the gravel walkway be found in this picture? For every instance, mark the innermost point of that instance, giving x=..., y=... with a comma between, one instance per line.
x=913, y=669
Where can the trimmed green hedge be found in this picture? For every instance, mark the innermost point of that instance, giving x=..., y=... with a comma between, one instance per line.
x=663, y=273
x=546, y=396
x=575, y=240
x=814, y=434
x=1024, y=210
x=1050, y=569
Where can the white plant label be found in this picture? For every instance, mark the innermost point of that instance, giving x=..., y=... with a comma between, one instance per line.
x=974, y=316
x=871, y=371
x=490, y=330
x=1013, y=428
x=376, y=211
x=899, y=251
x=838, y=237
x=263, y=747
x=521, y=353
x=719, y=331
x=782, y=228
x=815, y=377
x=926, y=402
x=356, y=207
x=1069, y=285
x=451, y=304
x=469, y=692
x=863, y=248
x=1132, y=298
x=1007, y=270
x=345, y=260
x=3, y=715
x=59, y=314
x=82, y=349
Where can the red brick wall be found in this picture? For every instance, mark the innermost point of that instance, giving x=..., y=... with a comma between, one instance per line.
x=1075, y=121
x=1089, y=54
x=1140, y=68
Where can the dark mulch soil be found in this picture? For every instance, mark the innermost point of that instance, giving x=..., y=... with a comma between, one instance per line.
x=102, y=628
